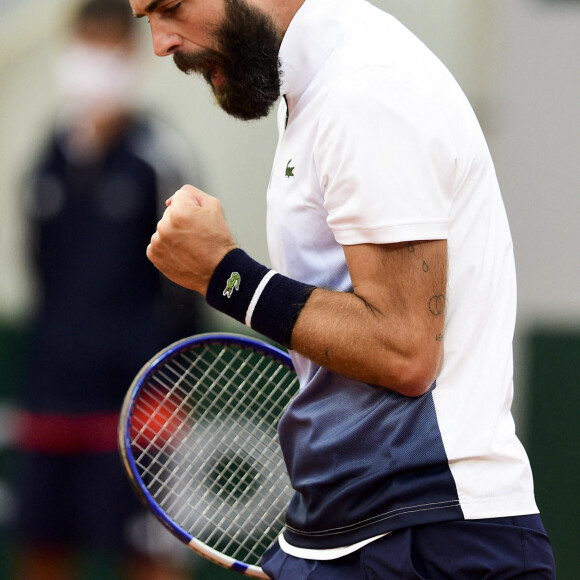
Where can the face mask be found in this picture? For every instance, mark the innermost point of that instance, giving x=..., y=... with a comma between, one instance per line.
x=90, y=76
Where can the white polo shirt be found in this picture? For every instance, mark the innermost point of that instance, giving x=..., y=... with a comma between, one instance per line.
x=381, y=146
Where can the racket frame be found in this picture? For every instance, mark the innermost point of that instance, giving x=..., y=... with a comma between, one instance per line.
x=124, y=439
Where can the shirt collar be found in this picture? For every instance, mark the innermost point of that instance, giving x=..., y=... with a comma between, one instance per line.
x=312, y=35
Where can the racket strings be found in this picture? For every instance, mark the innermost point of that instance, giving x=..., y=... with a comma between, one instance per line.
x=233, y=497
x=233, y=483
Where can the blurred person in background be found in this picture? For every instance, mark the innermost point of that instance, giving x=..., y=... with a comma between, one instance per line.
x=93, y=199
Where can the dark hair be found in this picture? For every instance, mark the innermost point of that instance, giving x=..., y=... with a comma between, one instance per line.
x=106, y=12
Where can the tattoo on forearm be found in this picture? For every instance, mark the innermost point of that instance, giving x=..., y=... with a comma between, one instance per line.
x=437, y=305
x=411, y=248
x=425, y=266
x=439, y=338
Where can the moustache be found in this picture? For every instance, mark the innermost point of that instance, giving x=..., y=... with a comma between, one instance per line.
x=203, y=62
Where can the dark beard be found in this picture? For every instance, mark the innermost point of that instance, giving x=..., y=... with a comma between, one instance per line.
x=248, y=58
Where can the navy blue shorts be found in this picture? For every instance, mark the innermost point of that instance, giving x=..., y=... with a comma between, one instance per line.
x=499, y=548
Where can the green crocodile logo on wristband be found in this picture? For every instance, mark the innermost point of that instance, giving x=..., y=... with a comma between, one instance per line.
x=232, y=284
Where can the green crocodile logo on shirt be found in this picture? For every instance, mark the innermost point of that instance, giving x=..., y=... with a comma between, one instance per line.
x=232, y=284
x=290, y=170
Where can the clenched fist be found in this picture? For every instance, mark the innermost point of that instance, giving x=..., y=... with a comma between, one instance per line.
x=191, y=239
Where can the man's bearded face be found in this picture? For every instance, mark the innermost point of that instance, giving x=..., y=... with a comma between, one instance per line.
x=244, y=72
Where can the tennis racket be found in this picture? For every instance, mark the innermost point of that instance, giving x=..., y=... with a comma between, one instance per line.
x=198, y=438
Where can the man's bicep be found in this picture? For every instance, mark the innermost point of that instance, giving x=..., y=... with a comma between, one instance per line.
x=405, y=282
x=389, y=332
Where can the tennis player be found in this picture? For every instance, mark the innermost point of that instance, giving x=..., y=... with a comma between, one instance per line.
x=394, y=289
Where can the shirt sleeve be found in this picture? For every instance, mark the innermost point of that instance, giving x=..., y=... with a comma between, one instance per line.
x=385, y=161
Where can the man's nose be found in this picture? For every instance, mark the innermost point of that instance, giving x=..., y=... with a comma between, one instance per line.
x=165, y=42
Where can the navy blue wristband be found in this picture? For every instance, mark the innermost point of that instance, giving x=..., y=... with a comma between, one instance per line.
x=259, y=297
